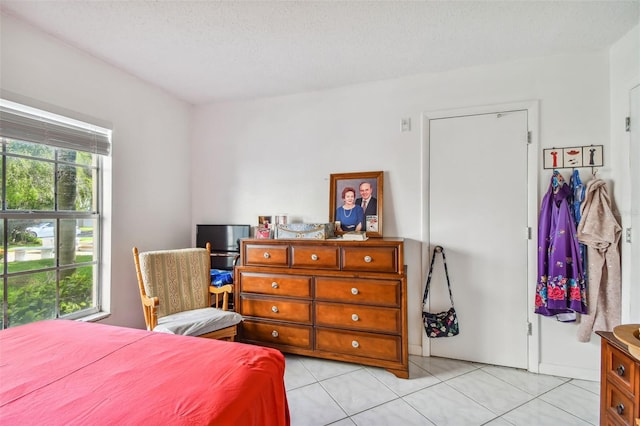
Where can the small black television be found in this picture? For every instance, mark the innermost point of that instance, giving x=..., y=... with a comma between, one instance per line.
x=224, y=240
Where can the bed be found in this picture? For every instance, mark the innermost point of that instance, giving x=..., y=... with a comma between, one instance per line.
x=72, y=373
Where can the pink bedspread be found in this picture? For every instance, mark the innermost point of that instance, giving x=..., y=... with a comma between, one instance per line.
x=72, y=373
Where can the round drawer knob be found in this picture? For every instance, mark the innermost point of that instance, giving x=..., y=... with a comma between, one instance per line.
x=266, y=255
x=620, y=408
x=274, y=309
x=314, y=257
x=368, y=259
x=274, y=333
x=274, y=285
x=355, y=343
x=355, y=317
x=354, y=290
x=620, y=370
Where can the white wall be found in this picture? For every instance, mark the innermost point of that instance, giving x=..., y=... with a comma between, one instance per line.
x=275, y=155
x=149, y=189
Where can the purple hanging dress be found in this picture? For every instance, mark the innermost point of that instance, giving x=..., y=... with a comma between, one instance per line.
x=561, y=287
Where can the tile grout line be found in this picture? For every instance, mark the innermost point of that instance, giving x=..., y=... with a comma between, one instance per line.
x=482, y=367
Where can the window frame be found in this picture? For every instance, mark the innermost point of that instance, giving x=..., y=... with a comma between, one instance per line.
x=95, y=213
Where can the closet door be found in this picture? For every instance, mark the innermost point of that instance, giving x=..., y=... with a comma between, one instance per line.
x=478, y=213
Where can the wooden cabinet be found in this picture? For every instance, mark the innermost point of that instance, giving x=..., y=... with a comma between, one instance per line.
x=333, y=299
x=619, y=383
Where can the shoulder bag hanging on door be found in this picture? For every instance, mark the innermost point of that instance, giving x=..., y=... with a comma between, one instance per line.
x=442, y=324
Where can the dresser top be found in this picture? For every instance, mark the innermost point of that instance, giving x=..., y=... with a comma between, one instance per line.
x=370, y=240
x=614, y=341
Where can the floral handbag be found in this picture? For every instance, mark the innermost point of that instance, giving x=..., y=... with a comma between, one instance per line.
x=441, y=324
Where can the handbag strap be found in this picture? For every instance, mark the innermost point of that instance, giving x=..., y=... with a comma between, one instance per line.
x=436, y=250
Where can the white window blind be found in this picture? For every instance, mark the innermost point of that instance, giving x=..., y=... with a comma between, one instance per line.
x=28, y=124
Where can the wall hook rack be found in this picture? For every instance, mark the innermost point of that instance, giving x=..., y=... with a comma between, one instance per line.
x=574, y=157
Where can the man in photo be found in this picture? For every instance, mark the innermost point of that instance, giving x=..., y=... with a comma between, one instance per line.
x=368, y=203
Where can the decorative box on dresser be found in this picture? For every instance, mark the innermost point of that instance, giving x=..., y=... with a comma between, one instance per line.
x=619, y=383
x=332, y=299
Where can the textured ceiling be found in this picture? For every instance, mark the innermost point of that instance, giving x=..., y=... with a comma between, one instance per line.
x=206, y=51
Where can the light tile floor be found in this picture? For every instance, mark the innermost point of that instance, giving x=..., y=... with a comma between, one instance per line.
x=439, y=392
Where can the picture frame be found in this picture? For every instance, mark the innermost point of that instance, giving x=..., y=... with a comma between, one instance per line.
x=265, y=221
x=344, y=218
x=264, y=233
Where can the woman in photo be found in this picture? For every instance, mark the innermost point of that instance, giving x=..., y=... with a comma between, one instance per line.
x=350, y=215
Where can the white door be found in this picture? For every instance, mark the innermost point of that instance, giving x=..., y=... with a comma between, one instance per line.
x=478, y=212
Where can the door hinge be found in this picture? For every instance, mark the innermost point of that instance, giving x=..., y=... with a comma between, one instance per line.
x=627, y=124
x=528, y=137
x=529, y=329
x=627, y=235
x=529, y=233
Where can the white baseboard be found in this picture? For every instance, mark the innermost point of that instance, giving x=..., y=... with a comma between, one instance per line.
x=415, y=350
x=592, y=375
x=571, y=372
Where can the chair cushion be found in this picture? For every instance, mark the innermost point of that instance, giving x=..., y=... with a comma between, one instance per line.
x=179, y=278
x=197, y=321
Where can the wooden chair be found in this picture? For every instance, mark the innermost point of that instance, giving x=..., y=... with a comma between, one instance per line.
x=176, y=292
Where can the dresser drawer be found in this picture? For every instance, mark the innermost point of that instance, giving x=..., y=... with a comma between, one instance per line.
x=358, y=317
x=266, y=255
x=350, y=290
x=330, y=299
x=278, y=285
x=317, y=257
x=277, y=333
x=620, y=369
x=618, y=405
x=366, y=345
x=371, y=259
x=609, y=421
x=277, y=309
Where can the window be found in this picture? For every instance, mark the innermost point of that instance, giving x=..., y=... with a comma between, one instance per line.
x=51, y=215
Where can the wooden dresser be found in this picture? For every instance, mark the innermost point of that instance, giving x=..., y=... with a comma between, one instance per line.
x=333, y=299
x=619, y=383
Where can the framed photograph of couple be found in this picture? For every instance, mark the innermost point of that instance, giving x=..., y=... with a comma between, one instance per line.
x=355, y=202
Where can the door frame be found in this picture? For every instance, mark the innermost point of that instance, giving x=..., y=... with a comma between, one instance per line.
x=533, y=160
x=631, y=278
